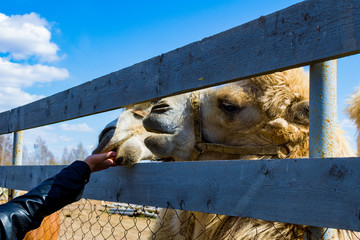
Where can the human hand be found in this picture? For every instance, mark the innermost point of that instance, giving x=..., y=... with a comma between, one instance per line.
x=101, y=161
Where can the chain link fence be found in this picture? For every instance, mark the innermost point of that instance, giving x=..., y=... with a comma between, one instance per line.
x=93, y=219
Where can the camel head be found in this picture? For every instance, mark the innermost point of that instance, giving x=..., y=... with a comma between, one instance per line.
x=261, y=117
x=126, y=135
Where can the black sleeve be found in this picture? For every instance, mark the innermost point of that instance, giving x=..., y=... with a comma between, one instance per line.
x=26, y=212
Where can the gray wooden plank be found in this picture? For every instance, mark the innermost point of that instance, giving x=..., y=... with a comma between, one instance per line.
x=4, y=122
x=314, y=192
x=311, y=31
x=26, y=177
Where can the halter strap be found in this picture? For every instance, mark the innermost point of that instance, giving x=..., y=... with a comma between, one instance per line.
x=202, y=146
x=195, y=104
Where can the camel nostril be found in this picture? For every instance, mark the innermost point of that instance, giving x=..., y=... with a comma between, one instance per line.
x=161, y=107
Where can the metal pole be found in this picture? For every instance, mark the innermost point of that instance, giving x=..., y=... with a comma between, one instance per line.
x=322, y=123
x=16, y=158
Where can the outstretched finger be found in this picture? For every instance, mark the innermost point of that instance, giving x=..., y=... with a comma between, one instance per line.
x=110, y=155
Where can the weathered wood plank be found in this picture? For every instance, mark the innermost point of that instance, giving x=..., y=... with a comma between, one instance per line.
x=26, y=177
x=314, y=192
x=311, y=31
x=4, y=122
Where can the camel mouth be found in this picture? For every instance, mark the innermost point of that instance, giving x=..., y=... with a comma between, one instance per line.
x=114, y=150
x=166, y=159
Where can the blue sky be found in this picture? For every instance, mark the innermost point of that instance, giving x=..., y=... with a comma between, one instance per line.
x=71, y=42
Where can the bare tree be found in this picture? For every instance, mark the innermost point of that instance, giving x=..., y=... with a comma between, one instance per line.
x=78, y=153
x=42, y=155
x=66, y=158
x=26, y=157
x=5, y=149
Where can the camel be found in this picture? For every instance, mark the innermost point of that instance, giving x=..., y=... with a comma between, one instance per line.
x=264, y=117
x=126, y=136
x=353, y=110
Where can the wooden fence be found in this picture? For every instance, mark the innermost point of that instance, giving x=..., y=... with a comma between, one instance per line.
x=301, y=191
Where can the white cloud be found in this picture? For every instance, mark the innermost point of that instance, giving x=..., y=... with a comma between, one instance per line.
x=50, y=135
x=47, y=133
x=26, y=38
x=15, y=76
x=23, y=36
x=81, y=127
x=12, y=97
x=65, y=139
x=25, y=75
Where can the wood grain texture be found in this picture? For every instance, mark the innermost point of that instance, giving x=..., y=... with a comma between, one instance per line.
x=4, y=122
x=308, y=32
x=314, y=192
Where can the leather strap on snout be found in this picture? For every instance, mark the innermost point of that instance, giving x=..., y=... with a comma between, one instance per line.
x=195, y=104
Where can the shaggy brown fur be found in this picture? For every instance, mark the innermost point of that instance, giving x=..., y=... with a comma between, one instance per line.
x=270, y=110
x=353, y=110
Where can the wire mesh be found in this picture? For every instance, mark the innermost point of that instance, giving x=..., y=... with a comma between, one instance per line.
x=93, y=219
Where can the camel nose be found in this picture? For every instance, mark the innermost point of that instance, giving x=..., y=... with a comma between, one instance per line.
x=160, y=108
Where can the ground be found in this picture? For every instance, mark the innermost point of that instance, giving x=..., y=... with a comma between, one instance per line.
x=90, y=219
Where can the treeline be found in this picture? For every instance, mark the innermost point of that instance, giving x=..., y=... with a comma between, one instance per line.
x=40, y=155
x=5, y=149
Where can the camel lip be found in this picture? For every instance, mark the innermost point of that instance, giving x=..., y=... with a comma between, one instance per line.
x=166, y=159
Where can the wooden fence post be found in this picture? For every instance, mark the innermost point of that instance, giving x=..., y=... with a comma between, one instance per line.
x=322, y=123
x=16, y=158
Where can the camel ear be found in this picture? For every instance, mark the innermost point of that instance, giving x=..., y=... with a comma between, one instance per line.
x=300, y=112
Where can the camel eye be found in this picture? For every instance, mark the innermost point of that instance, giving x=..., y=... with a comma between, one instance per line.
x=228, y=107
